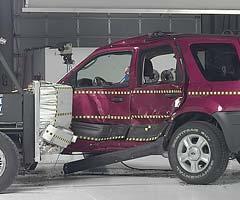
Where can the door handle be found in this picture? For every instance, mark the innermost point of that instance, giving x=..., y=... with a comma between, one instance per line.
x=117, y=99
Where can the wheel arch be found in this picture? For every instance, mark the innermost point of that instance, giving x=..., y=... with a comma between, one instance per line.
x=186, y=165
x=187, y=117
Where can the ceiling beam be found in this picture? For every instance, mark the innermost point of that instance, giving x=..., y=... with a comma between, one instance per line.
x=127, y=11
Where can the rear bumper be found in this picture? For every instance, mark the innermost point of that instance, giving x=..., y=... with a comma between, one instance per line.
x=230, y=124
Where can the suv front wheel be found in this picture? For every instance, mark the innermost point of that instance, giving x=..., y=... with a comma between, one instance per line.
x=198, y=153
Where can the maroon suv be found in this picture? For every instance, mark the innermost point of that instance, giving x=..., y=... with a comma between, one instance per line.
x=182, y=89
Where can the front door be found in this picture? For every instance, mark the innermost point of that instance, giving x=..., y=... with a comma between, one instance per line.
x=158, y=93
x=101, y=100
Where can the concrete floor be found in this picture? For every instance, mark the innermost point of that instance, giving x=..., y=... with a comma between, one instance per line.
x=118, y=182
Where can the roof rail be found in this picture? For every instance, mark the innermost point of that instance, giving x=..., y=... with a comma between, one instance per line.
x=230, y=32
x=156, y=34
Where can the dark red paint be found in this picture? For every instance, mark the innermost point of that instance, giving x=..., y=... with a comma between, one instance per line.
x=152, y=104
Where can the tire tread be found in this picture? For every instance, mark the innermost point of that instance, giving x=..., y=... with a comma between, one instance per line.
x=224, y=154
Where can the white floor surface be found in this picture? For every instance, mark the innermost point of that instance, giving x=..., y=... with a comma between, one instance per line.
x=116, y=182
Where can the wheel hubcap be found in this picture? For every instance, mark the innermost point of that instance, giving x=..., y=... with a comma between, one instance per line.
x=193, y=153
x=2, y=162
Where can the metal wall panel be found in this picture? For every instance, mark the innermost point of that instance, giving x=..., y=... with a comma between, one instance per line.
x=6, y=27
x=153, y=24
x=61, y=26
x=34, y=31
x=92, y=42
x=184, y=25
x=93, y=26
x=30, y=26
x=124, y=27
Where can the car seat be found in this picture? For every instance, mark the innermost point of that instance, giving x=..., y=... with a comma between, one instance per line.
x=148, y=71
x=168, y=75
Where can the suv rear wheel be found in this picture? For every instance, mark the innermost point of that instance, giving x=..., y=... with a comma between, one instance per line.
x=198, y=153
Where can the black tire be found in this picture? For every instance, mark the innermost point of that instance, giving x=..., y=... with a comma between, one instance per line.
x=12, y=161
x=216, y=149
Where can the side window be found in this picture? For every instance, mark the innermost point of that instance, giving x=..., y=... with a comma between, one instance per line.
x=109, y=70
x=217, y=62
x=159, y=65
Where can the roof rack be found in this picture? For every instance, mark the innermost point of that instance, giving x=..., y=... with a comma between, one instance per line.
x=156, y=34
x=230, y=32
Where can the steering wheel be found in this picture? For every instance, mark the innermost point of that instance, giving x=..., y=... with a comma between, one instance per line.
x=98, y=81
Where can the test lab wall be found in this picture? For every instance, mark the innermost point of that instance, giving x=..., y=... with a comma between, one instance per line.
x=55, y=69
x=47, y=64
x=30, y=30
x=6, y=31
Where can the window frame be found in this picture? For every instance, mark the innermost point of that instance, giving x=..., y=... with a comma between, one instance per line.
x=199, y=64
x=130, y=52
x=142, y=53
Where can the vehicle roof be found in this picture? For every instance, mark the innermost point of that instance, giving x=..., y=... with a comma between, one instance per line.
x=154, y=37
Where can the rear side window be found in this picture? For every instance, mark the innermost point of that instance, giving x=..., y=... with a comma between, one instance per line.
x=159, y=65
x=217, y=62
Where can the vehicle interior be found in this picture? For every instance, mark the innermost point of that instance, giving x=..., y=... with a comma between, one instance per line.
x=159, y=66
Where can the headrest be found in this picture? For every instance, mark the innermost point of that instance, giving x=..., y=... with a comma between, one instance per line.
x=148, y=68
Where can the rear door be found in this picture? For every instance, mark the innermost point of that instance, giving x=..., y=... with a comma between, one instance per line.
x=158, y=93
